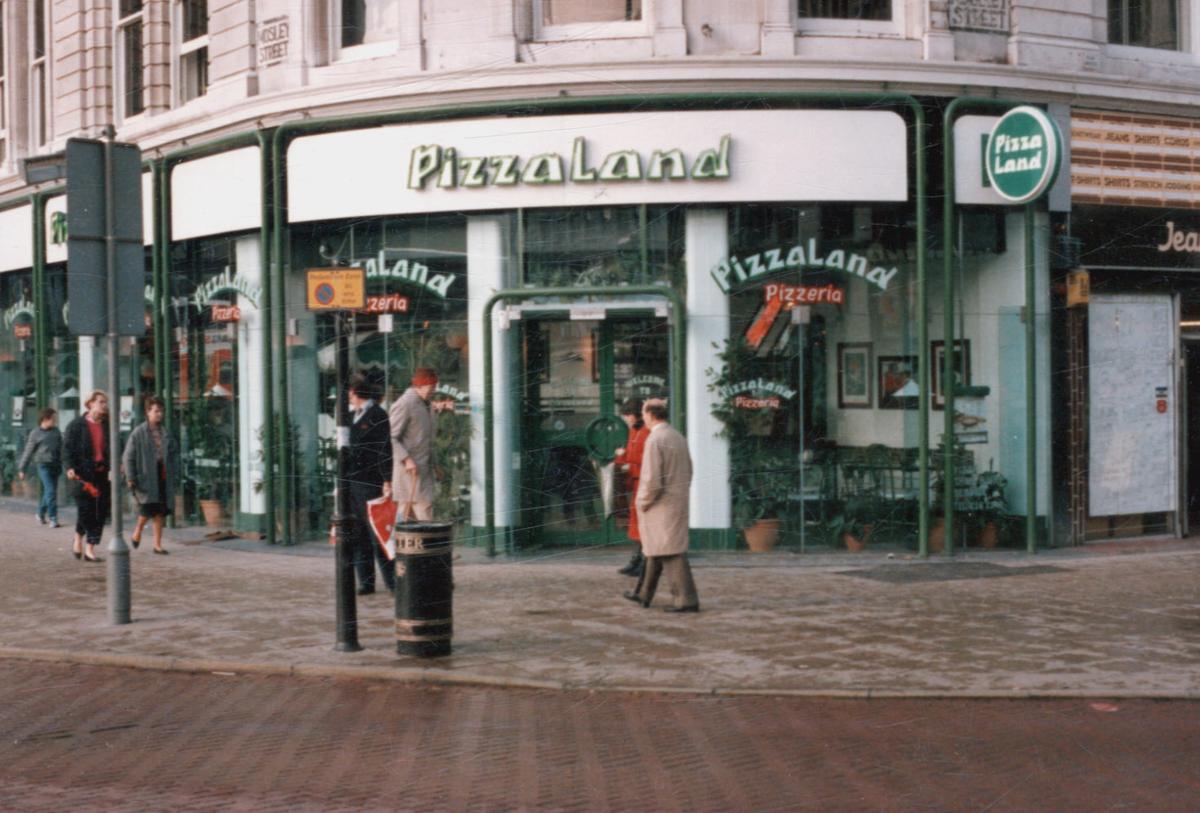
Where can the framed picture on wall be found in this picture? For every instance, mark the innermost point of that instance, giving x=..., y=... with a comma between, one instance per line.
x=937, y=363
x=898, y=382
x=854, y=375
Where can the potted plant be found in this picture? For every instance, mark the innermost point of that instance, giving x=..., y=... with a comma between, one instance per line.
x=991, y=505
x=760, y=497
x=854, y=524
x=761, y=476
x=210, y=453
x=964, y=479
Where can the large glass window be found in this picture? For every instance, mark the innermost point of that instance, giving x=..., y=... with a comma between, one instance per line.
x=39, y=98
x=816, y=382
x=3, y=89
x=567, y=12
x=846, y=9
x=1145, y=23
x=193, y=49
x=416, y=316
x=17, y=396
x=129, y=58
x=627, y=245
x=205, y=310
x=364, y=22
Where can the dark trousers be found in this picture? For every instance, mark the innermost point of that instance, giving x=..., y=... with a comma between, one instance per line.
x=679, y=580
x=92, y=512
x=365, y=551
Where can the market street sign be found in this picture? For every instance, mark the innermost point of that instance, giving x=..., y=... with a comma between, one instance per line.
x=1023, y=153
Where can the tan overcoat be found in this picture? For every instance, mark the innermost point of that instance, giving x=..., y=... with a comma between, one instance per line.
x=662, y=495
x=412, y=429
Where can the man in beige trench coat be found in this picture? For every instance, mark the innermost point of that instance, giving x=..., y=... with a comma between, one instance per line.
x=412, y=429
x=662, y=506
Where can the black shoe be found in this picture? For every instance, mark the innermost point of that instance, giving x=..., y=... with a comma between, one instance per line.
x=366, y=591
x=87, y=558
x=635, y=597
x=634, y=568
x=695, y=608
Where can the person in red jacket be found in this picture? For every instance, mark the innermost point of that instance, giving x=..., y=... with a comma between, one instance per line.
x=629, y=461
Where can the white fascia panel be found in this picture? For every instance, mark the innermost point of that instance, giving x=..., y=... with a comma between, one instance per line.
x=784, y=155
x=219, y=194
x=16, y=238
x=969, y=132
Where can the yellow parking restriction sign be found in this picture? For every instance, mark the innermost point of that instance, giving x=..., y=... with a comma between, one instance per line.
x=336, y=289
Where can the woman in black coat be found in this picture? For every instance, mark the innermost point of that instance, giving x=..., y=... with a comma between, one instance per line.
x=88, y=462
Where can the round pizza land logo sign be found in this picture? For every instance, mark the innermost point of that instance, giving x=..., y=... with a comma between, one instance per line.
x=1023, y=153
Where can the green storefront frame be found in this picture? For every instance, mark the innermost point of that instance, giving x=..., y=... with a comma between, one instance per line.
x=274, y=235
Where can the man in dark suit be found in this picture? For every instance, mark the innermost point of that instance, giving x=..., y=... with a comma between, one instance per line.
x=370, y=467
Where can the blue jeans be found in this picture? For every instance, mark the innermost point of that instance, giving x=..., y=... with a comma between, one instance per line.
x=48, y=505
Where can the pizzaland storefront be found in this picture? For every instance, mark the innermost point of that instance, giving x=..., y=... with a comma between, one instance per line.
x=760, y=269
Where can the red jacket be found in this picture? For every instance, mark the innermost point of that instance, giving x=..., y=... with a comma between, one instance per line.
x=634, y=447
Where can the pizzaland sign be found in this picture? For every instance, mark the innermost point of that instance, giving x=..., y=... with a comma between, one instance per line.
x=1023, y=154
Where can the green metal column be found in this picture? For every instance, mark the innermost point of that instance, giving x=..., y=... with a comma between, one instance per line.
x=41, y=311
x=162, y=242
x=1030, y=383
x=267, y=316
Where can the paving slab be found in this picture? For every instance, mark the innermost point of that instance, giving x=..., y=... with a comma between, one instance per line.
x=1122, y=620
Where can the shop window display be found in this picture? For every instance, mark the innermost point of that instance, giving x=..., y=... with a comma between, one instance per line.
x=415, y=317
x=209, y=292
x=17, y=405
x=815, y=385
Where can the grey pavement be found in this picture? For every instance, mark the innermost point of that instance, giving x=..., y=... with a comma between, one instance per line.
x=1114, y=620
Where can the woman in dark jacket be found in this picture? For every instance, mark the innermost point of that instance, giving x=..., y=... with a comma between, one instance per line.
x=86, y=456
x=151, y=463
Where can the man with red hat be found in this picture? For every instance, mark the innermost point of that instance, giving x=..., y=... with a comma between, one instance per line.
x=412, y=430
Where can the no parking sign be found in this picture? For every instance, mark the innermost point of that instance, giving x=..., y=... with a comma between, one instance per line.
x=333, y=289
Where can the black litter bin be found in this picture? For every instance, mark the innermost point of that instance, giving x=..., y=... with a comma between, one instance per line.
x=424, y=588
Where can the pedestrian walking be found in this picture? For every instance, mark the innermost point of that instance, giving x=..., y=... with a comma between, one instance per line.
x=662, y=504
x=43, y=448
x=369, y=468
x=413, y=429
x=629, y=462
x=150, y=464
x=86, y=456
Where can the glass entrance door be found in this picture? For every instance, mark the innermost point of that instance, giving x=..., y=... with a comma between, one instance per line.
x=575, y=375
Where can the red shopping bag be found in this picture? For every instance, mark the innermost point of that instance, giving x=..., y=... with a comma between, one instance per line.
x=381, y=516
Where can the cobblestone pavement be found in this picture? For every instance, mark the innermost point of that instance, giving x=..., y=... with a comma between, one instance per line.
x=1105, y=621
x=114, y=739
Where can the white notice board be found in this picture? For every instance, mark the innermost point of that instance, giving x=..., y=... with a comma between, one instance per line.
x=1133, y=448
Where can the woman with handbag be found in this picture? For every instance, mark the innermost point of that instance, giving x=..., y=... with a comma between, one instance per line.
x=86, y=456
x=150, y=464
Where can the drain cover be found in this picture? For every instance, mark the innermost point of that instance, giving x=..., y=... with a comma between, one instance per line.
x=946, y=572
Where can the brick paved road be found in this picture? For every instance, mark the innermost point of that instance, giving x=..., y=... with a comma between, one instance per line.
x=103, y=738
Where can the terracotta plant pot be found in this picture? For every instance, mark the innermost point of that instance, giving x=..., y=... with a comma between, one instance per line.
x=937, y=535
x=762, y=536
x=853, y=543
x=857, y=544
x=989, y=536
x=211, y=509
